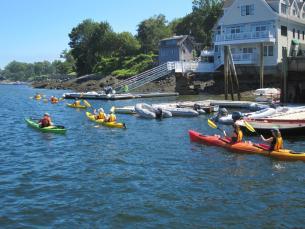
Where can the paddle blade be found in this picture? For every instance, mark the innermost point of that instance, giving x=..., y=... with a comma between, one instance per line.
x=212, y=124
x=87, y=104
x=112, y=109
x=249, y=127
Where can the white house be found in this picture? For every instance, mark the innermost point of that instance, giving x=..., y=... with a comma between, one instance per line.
x=246, y=24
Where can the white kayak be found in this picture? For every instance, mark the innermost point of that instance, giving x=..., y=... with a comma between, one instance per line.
x=125, y=110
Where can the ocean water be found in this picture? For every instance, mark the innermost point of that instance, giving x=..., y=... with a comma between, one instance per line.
x=149, y=175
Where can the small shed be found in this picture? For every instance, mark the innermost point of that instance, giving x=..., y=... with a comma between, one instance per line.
x=177, y=48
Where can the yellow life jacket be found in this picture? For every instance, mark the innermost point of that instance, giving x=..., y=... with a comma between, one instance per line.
x=111, y=118
x=101, y=115
x=239, y=135
x=278, y=144
x=77, y=103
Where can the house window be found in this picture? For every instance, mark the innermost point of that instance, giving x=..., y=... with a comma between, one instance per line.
x=247, y=10
x=303, y=35
x=284, y=31
x=268, y=50
x=247, y=50
x=293, y=33
x=284, y=8
x=216, y=48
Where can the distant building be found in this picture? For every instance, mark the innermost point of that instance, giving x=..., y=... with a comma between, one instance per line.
x=176, y=48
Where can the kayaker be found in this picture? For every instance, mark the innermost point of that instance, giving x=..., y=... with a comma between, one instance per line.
x=237, y=134
x=76, y=102
x=111, y=117
x=276, y=141
x=45, y=121
x=100, y=114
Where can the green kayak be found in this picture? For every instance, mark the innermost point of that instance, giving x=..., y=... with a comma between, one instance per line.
x=49, y=129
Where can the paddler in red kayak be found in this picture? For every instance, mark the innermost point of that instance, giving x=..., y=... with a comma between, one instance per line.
x=237, y=135
x=45, y=121
x=276, y=141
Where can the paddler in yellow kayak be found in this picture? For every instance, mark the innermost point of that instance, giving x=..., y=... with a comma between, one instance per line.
x=76, y=102
x=111, y=117
x=100, y=114
x=276, y=141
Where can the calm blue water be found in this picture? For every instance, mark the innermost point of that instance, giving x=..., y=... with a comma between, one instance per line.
x=149, y=175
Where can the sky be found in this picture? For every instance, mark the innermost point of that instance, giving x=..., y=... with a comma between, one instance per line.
x=36, y=30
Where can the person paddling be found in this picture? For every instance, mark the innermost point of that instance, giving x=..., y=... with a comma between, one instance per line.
x=45, y=121
x=276, y=141
x=77, y=102
x=100, y=114
x=112, y=117
x=237, y=135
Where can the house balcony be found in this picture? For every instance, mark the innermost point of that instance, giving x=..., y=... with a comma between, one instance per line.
x=239, y=58
x=245, y=58
x=245, y=37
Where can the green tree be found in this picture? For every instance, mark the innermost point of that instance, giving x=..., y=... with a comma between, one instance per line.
x=201, y=21
x=151, y=31
x=127, y=44
x=88, y=41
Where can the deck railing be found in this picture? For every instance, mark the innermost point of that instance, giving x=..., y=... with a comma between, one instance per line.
x=244, y=36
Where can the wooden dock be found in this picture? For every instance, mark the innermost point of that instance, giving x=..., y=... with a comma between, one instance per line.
x=102, y=96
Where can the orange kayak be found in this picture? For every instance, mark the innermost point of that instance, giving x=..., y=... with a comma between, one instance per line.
x=245, y=147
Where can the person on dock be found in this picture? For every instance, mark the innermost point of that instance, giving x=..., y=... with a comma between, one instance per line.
x=100, y=114
x=237, y=135
x=111, y=117
x=276, y=141
x=45, y=121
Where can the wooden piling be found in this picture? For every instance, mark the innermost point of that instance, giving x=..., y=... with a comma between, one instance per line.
x=226, y=67
x=284, y=75
x=261, y=65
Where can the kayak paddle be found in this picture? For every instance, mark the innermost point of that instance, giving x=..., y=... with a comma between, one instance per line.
x=87, y=104
x=214, y=126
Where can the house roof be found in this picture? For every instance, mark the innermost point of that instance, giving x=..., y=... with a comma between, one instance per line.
x=180, y=39
x=227, y=3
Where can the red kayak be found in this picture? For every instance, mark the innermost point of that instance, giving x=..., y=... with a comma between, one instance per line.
x=245, y=147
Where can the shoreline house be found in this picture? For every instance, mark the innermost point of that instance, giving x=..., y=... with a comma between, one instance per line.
x=246, y=25
x=176, y=48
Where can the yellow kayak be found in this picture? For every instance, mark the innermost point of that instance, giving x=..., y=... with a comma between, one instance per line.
x=91, y=117
x=74, y=106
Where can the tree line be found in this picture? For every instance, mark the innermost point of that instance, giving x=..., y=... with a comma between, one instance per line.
x=96, y=48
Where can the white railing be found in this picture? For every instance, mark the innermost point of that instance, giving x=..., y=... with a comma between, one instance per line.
x=190, y=66
x=244, y=36
x=245, y=57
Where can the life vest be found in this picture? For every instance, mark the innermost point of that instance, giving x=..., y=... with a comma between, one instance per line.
x=238, y=136
x=277, y=144
x=46, y=121
x=101, y=115
x=111, y=118
x=77, y=103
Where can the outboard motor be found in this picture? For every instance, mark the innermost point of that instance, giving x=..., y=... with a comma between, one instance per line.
x=196, y=107
x=223, y=112
x=159, y=113
x=236, y=115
